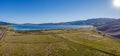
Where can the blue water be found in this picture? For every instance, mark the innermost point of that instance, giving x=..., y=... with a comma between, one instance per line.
x=47, y=27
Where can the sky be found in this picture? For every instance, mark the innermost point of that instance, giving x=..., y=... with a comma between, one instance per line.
x=52, y=11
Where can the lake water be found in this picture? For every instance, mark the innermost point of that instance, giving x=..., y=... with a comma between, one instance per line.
x=47, y=27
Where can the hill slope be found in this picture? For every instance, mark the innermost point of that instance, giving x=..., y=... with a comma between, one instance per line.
x=94, y=22
x=112, y=28
x=5, y=23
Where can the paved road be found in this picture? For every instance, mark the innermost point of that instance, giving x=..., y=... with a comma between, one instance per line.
x=3, y=33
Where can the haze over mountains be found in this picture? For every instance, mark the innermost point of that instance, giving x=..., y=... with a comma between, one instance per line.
x=110, y=26
x=94, y=22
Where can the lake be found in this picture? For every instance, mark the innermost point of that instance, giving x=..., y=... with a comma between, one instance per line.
x=47, y=27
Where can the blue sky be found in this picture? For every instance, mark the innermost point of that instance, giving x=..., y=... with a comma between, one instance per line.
x=50, y=11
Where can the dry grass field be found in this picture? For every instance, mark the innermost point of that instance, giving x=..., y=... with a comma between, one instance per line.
x=78, y=42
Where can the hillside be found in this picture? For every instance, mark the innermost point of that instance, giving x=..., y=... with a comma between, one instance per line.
x=112, y=28
x=94, y=22
x=5, y=23
x=79, y=42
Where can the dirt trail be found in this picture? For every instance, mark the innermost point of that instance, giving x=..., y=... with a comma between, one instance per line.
x=3, y=33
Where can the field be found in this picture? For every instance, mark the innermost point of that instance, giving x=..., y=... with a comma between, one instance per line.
x=78, y=42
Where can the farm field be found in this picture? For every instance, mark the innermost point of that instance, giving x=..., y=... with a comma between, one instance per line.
x=78, y=42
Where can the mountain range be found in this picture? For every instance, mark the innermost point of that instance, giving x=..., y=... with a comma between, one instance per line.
x=109, y=26
x=6, y=23
x=94, y=22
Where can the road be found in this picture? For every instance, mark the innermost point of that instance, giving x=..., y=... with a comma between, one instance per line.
x=3, y=33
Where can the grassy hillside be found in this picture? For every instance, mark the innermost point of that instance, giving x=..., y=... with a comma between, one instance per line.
x=112, y=28
x=79, y=42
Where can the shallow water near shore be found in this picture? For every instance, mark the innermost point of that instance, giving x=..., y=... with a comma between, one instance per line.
x=47, y=27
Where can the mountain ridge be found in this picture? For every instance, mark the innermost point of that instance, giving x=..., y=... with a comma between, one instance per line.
x=6, y=23
x=93, y=21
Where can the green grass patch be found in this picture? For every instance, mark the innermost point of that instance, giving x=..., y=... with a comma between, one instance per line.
x=78, y=42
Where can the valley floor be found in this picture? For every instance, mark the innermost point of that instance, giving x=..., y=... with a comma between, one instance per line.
x=79, y=42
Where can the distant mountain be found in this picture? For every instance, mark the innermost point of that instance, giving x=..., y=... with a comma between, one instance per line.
x=5, y=23
x=94, y=22
x=112, y=28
